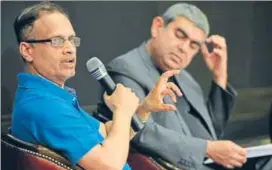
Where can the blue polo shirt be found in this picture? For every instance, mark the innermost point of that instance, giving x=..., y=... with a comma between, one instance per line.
x=45, y=114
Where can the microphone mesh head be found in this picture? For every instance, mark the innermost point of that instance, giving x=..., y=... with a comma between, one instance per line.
x=96, y=68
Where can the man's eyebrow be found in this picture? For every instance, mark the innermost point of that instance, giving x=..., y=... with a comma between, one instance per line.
x=59, y=35
x=186, y=35
x=182, y=31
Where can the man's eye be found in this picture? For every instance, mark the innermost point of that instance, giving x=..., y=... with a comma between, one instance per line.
x=57, y=40
x=194, y=45
x=180, y=35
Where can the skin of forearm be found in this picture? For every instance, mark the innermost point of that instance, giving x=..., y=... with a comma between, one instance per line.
x=221, y=81
x=142, y=112
x=108, y=129
x=116, y=143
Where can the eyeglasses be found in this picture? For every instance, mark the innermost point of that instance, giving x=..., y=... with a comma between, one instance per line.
x=57, y=41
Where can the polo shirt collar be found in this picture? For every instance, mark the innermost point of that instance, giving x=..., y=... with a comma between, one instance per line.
x=32, y=81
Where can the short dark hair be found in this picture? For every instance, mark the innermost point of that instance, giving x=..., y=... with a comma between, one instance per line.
x=23, y=23
x=189, y=11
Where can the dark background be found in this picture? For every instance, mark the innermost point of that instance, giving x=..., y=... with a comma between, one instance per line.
x=109, y=29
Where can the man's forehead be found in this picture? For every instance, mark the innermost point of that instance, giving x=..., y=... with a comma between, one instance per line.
x=53, y=24
x=52, y=18
x=189, y=28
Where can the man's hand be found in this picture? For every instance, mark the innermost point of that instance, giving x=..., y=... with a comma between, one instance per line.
x=123, y=101
x=216, y=61
x=226, y=153
x=153, y=102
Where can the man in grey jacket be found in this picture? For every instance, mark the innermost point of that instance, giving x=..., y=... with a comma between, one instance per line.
x=190, y=131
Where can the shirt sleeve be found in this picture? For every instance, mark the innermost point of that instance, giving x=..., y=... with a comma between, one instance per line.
x=63, y=128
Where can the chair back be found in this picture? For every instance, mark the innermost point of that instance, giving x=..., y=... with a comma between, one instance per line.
x=20, y=155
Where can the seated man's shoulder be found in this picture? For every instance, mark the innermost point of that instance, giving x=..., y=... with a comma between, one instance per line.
x=40, y=107
x=130, y=64
x=124, y=58
x=31, y=109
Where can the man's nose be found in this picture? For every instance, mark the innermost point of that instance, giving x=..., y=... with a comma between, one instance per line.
x=69, y=47
x=184, y=46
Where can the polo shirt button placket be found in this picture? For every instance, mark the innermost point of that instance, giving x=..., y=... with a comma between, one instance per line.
x=74, y=101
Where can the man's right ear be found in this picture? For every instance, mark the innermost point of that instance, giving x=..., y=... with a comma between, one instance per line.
x=157, y=25
x=26, y=50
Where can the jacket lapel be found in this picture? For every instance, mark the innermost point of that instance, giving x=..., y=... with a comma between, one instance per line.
x=154, y=75
x=195, y=99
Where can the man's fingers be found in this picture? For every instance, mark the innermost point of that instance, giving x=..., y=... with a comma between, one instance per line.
x=205, y=51
x=170, y=73
x=164, y=92
x=218, y=41
x=236, y=163
x=106, y=96
x=218, y=52
x=165, y=76
x=171, y=94
x=173, y=87
x=239, y=158
x=167, y=107
x=241, y=151
x=228, y=166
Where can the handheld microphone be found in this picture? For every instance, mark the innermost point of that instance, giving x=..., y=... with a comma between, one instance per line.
x=99, y=72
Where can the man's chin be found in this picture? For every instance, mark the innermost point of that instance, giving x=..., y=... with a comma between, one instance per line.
x=70, y=75
x=173, y=68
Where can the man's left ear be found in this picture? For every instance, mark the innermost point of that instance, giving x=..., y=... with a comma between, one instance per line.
x=26, y=51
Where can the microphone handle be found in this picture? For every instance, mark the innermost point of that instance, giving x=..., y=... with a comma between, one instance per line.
x=108, y=84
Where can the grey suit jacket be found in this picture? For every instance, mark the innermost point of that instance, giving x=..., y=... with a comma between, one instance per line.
x=167, y=134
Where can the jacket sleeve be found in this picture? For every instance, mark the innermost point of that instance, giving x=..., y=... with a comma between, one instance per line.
x=220, y=104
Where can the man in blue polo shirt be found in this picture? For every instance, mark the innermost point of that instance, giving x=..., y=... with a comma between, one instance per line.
x=46, y=112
